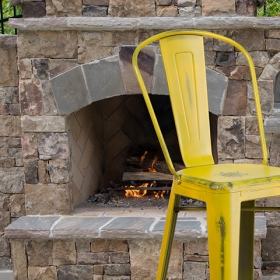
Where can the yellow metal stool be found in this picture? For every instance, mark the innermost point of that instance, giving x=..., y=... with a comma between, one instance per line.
x=229, y=190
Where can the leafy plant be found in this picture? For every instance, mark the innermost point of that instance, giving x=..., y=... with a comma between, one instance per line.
x=8, y=11
x=270, y=9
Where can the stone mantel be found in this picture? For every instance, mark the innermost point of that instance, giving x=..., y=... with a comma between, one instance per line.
x=154, y=23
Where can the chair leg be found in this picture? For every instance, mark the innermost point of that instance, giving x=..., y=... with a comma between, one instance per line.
x=223, y=219
x=168, y=234
x=246, y=247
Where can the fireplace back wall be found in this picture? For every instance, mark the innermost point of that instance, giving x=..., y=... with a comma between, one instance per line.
x=106, y=132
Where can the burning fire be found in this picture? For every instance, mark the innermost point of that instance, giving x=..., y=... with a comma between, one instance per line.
x=139, y=192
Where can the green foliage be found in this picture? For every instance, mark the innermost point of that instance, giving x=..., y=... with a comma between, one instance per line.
x=8, y=11
x=270, y=9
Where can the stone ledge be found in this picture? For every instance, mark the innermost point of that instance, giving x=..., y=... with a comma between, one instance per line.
x=68, y=227
x=8, y=40
x=154, y=23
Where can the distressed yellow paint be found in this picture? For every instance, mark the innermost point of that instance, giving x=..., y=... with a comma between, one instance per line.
x=226, y=188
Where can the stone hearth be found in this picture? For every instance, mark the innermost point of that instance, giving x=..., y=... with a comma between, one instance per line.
x=70, y=64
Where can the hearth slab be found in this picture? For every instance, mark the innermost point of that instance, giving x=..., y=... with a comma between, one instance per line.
x=67, y=227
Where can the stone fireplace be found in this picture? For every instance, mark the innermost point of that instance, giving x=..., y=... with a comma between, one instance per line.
x=71, y=112
x=116, y=123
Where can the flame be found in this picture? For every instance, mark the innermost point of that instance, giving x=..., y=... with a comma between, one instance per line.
x=160, y=194
x=143, y=157
x=152, y=168
x=145, y=186
x=137, y=193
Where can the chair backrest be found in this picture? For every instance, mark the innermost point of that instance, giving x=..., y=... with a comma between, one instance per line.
x=184, y=63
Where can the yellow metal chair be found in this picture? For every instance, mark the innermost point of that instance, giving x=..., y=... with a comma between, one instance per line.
x=229, y=190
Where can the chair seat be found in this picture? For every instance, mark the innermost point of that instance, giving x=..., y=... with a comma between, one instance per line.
x=230, y=177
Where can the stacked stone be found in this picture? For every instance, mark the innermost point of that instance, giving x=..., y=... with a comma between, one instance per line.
x=44, y=136
x=11, y=164
x=81, y=259
x=147, y=8
x=103, y=259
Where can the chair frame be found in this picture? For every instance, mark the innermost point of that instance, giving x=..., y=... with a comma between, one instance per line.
x=230, y=205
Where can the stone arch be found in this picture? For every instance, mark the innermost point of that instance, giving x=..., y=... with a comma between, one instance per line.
x=113, y=76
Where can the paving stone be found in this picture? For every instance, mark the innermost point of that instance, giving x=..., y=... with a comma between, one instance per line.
x=7, y=274
x=80, y=227
x=33, y=227
x=126, y=227
x=188, y=226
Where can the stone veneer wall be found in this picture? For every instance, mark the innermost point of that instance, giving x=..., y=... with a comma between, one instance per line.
x=39, y=167
x=11, y=162
x=147, y=8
